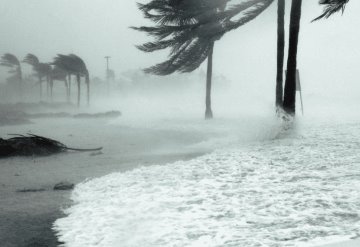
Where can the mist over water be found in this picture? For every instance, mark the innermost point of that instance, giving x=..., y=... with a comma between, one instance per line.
x=245, y=57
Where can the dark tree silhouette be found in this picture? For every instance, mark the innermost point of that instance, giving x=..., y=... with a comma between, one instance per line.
x=58, y=74
x=190, y=29
x=42, y=72
x=10, y=61
x=332, y=7
x=65, y=63
x=290, y=83
x=74, y=65
x=280, y=53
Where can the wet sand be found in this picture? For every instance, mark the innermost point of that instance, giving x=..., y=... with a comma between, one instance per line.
x=26, y=218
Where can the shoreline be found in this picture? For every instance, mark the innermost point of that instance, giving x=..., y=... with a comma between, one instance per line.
x=26, y=219
x=31, y=228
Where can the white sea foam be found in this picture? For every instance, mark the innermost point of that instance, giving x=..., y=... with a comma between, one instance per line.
x=294, y=191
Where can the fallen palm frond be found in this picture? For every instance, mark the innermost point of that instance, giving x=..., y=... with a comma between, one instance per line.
x=33, y=145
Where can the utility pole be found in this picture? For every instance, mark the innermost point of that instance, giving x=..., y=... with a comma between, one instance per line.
x=107, y=74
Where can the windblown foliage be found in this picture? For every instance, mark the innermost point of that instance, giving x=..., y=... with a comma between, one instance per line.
x=190, y=27
x=41, y=69
x=31, y=59
x=72, y=64
x=332, y=7
x=10, y=61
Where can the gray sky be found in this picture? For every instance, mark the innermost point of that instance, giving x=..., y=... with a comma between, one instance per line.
x=328, y=53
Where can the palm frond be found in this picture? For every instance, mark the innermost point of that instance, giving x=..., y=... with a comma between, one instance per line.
x=30, y=145
x=190, y=27
x=72, y=64
x=331, y=7
x=31, y=59
x=9, y=60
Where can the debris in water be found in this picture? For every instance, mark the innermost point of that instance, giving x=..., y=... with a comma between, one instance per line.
x=30, y=190
x=64, y=186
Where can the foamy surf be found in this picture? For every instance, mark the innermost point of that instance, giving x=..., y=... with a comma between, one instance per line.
x=297, y=191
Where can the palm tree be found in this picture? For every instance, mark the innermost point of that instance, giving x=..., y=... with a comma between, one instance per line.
x=74, y=65
x=64, y=63
x=82, y=70
x=58, y=74
x=12, y=62
x=280, y=53
x=290, y=83
x=190, y=29
x=42, y=71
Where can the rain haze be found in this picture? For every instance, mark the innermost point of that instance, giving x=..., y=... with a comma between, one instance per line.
x=102, y=154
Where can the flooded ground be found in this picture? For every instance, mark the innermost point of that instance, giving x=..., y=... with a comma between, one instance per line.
x=298, y=189
x=26, y=218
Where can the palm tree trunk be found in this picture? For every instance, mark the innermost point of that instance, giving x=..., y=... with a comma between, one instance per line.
x=69, y=86
x=67, y=90
x=88, y=89
x=290, y=83
x=21, y=83
x=78, y=85
x=280, y=53
x=47, y=87
x=41, y=89
x=208, y=112
x=51, y=85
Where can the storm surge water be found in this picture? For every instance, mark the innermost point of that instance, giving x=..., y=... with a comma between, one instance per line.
x=297, y=190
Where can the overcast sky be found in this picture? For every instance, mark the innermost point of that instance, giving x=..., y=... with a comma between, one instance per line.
x=329, y=50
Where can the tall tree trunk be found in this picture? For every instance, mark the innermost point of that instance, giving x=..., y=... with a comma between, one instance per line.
x=21, y=83
x=41, y=89
x=78, y=85
x=290, y=83
x=88, y=89
x=69, y=81
x=67, y=90
x=51, y=83
x=208, y=112
x=47, y=87
x=280, y=53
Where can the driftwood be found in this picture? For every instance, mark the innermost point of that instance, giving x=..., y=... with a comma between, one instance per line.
x=33, y=145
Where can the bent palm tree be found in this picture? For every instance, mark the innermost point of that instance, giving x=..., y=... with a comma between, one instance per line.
x=42, y=71
x=12, y=62
x=74, y=65
x=190, y=29
x=58, y=74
